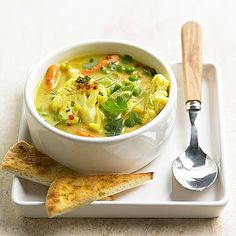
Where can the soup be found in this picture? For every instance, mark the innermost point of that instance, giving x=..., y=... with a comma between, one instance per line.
x=101, y=95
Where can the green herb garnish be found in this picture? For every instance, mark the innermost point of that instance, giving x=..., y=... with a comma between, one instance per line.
x=59, y=119
x=127, y=59
x=42, y=111
x=129, y=86
x=90, y=64
x=125, y=91
x=113, y=127
x=149, y=71
x=132, y=120
x=81, y=80
x=116, y=87
x=115, y=106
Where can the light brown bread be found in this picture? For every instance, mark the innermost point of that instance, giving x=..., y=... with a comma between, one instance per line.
x=68, y=193
x=26, y=161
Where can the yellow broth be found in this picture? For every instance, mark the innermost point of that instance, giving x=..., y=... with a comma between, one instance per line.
x=101, y=95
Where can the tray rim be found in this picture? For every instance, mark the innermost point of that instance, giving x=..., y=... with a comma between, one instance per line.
x=217, y=203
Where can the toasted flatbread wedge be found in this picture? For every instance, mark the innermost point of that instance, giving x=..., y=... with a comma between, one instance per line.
x=68, y=193
x=27, y=162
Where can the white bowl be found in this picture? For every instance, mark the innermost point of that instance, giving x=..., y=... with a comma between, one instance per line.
x=120, y=154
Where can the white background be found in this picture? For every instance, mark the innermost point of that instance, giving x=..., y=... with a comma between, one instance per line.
x=31, y=29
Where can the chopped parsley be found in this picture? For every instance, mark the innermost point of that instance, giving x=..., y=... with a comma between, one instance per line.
x=149, y=71
x=116, y=87
x=113, y=127
x=115, y=106
x=59, y=119
x=127, y=59
x=132, y=120
x=42, y=111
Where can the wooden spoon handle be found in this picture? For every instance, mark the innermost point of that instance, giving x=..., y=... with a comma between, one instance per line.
x=192, y=60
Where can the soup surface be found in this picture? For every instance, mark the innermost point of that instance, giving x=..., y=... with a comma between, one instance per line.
x=101, y=95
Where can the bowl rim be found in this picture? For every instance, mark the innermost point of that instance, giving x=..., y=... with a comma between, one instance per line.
x=31, y=109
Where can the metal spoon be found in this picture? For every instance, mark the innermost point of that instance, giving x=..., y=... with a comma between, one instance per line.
x=193, y=169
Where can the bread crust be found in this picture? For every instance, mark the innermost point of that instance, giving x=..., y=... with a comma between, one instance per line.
x=26, y=161
x=68, y=193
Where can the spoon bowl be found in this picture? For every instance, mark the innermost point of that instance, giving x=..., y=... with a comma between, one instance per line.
x=195, y=175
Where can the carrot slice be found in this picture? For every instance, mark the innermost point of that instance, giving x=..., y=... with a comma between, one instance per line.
x=84, y=134
x=103, y=63
x=52, y=77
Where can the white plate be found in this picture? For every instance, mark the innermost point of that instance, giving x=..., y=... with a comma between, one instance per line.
x=163, y=197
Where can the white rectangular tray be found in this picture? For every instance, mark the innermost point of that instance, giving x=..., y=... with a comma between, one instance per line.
x=163, y=197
